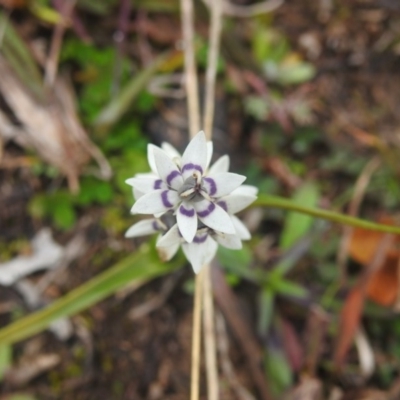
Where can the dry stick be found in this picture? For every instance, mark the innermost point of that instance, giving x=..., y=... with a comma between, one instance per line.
x=359, y=191
x=209, y=105
x=56, y=41
x=212, y=62
x=190, y=67
x=234, y=10
x=196, y=338
x=194, y=127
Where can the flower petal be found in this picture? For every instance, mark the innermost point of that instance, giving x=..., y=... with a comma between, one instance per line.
x=248, y=190
x=210, y=147
x=167, y=169
x=170, y=243
x=166, y=253
x=170, y=238
x=142, y=228
x=221, y=184
x=146, y=185
x=172, y=153
x=234, y=203
x=221, y=165
x=137, y=194
x=213, y=216
x=241, y=229
x=229, y=241
x=200, y=252
x=150, y=157
x=156, y=202
x=195, y=156
x=187, y=221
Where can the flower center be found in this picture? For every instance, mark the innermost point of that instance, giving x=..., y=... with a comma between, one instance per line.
x=191, y=189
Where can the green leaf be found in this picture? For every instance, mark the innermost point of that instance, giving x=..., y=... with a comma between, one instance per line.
x=64, y=215
x=286, y=288
x=45, y=13
x=5, y=359
x=143, y=265
x=278, y=370
x=20, y=396
x=236, y=261
x=120, y=105
x=297, y=225
x=94, y=191
x=266, y=304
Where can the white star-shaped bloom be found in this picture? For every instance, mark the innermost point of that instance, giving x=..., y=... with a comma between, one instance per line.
x=186, y=186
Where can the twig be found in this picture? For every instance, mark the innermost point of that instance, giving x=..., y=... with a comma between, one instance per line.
x=359, y=192
x=119, y=38
x=196, y=337
x=229, y=306
x=226, y=364
x=190, y=67
x=235, y=10
x=56, y=41
x=209, y=106
x=209, y=336
x=212, y=62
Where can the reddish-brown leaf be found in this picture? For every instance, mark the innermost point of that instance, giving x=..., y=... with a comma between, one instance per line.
x=383, y=287
x=349, y=321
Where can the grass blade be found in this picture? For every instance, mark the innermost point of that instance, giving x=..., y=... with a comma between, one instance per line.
x=144, y=264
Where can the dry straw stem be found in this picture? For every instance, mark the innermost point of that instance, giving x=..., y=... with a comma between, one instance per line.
x=196, y=337
x=56, y=41
x=209, y=105
x=234, y=10
x=190, y=67
x=359, y=192
x=209, y=336
x=194, y=127
x=212, y=63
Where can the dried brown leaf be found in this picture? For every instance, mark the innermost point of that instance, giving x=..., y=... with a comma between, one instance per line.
x=349, y=321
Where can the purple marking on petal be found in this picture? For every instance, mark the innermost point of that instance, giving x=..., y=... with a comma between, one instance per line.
x=200, y=239
x=155, y=225
x=185, y=211
x=171, y=176
x=157, y=184
x=164, y=198
x=213, y=186
x=207, y=211
x=192, y=166
x=223, y=205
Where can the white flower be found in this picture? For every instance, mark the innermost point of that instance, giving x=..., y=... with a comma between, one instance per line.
x=193, y=204
x=185, y=186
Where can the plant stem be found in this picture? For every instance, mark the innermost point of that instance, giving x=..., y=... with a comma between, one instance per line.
x=209, y=106
x=196, y=337
x=190, y=67
x=212, y=63
x=279, y=202
x=209, y=336
x=194, y=127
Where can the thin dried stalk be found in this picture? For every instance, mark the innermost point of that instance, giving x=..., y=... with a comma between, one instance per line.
x=196, y=337
x=209, y=336
x=194, y=127
x=190, y=67
x=359, y=192
x=253, y=10
x=56, y=41
x=209, y=106
x=212, y=62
